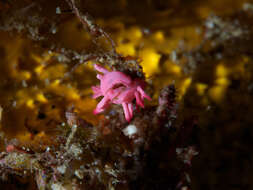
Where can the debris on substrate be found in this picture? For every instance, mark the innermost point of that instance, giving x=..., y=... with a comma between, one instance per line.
x=144, y=154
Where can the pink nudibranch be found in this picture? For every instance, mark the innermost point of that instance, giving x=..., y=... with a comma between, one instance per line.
x=118, y=88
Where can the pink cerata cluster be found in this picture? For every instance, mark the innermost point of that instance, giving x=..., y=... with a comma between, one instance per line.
x=118, y=88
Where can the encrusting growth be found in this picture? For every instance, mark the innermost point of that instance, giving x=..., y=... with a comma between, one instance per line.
x=118, y=88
